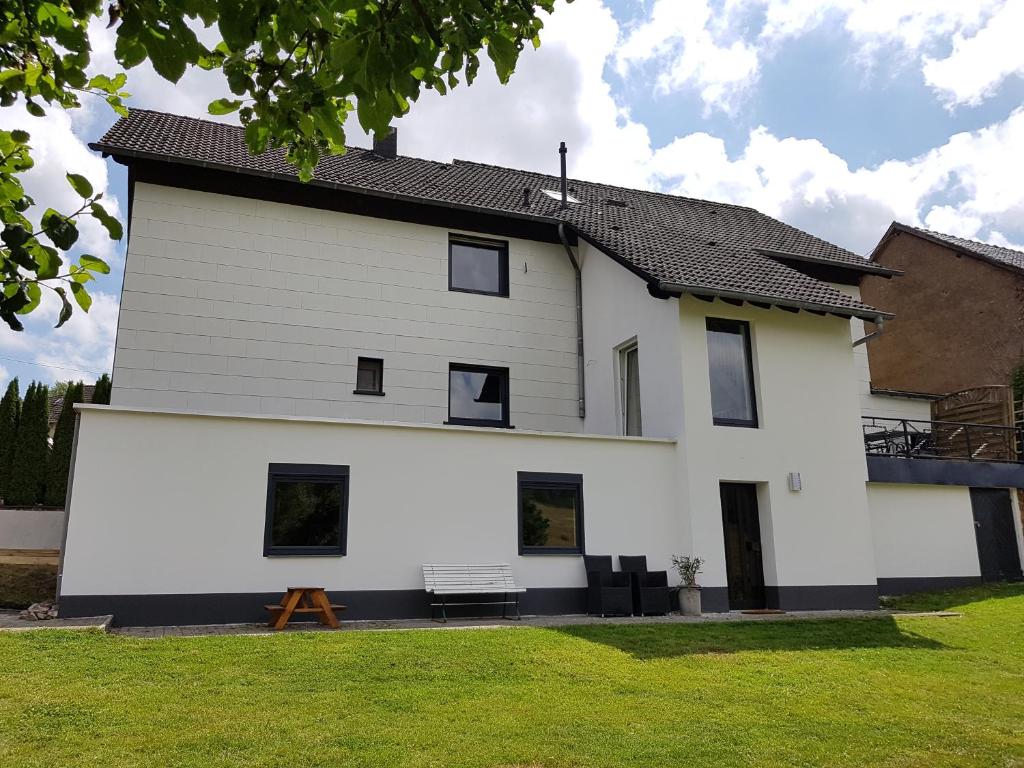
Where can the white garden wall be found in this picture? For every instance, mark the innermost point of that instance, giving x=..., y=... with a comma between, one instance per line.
x=923, y=532
x=31, y=528
x=246, y=306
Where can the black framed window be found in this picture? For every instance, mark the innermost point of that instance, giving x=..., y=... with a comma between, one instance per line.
x=478, y=395
x=307, y=510
x=730, y=362
x=478, y=266
x=369, y=376
x=550, y=513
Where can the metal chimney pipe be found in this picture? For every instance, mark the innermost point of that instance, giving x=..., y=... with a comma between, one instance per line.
x=565, y=192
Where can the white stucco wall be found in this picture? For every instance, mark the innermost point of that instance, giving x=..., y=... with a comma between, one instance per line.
x=922, y=531
x=247, y=306
x=808, y=409
x=189, y=517
x=617, y=308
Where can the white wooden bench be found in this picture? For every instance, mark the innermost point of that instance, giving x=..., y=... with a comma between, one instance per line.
x=446, y=581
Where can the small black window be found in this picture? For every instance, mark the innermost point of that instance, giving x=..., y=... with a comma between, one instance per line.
x=478, y=395
x=369, y=377
x=732, y=373
x=307, y=510
x=478, y=266
x=550, y=514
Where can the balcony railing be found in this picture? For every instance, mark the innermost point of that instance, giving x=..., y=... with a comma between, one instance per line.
x=908, y=438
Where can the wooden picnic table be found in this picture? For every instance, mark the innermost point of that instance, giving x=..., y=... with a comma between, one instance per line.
x=304, y=600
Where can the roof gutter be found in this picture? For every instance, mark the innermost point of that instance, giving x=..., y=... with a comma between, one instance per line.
x=580, y=362
x=875, y=316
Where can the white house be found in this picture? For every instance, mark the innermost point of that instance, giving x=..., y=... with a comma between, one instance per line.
x=406, y=362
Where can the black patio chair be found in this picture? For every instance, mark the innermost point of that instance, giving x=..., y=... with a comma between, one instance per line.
x=651, y=594
x=608, y=593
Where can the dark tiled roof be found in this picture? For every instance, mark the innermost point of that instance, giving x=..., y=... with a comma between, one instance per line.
x=1006, y=257
x=676, y=243
x=57, y=402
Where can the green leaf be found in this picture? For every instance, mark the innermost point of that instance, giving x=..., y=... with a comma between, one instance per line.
x=19, y=137
x=35, y=295
x=14, y=235
x=237, y=23
x=81, y=296
x=128, y=50
x=34, y=109
x=94, y=264
x=62, y=232
x=65, y=307
x=224, y=106
x=12, y=321
x=48, y=260
x=80, y=184
x=112, y=225
x=165, y=53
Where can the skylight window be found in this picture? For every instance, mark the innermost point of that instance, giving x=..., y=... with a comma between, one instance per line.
x=554, y=194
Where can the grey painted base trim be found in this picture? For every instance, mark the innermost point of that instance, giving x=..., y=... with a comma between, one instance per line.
x=908, y=584
x=977, y=474
x=850, y=597
x=247, y=607
x=713, y=599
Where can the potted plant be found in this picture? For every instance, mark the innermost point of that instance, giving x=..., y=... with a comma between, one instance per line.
x=689, y=590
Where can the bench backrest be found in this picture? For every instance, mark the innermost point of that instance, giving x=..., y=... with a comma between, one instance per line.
x=452, y=576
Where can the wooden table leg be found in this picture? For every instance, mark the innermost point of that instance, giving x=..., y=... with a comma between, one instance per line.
x=289, y=602
x=326, y=612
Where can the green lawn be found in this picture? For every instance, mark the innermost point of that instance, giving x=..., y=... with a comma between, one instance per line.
x=853, y=692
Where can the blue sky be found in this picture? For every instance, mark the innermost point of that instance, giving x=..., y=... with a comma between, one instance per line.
x=837, y=116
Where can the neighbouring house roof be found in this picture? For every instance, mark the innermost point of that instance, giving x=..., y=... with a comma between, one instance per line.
x=997, y=254
x=677, y=244
x=57, y=402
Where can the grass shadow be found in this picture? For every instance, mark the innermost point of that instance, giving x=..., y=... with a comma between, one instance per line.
x=664, y=641
x=954, y=598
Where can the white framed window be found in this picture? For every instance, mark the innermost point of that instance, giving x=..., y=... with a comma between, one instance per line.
x=628, y=364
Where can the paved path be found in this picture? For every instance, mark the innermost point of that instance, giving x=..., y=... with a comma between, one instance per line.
x=9, y=621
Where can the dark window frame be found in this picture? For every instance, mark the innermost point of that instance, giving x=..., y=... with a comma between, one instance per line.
x=505, y=421
x=378, y=392
x=310, y=473
x=499, y=246
x=754, y=422
x=551, y=480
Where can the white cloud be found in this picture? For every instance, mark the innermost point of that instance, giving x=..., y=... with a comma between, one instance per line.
x=81, y=349
x=980, y=63
x=692, y=37
x=711, y=47
x=557, y=93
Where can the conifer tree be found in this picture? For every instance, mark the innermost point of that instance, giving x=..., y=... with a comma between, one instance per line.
x=59, y=464
x=31, y=449
x=101, y=394
x=10, y=413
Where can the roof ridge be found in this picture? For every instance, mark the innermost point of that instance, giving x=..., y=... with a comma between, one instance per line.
x=669, y=195
x=963, y=239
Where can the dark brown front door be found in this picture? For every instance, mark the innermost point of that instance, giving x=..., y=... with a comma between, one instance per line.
x=742, y=529
x=996, y=535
